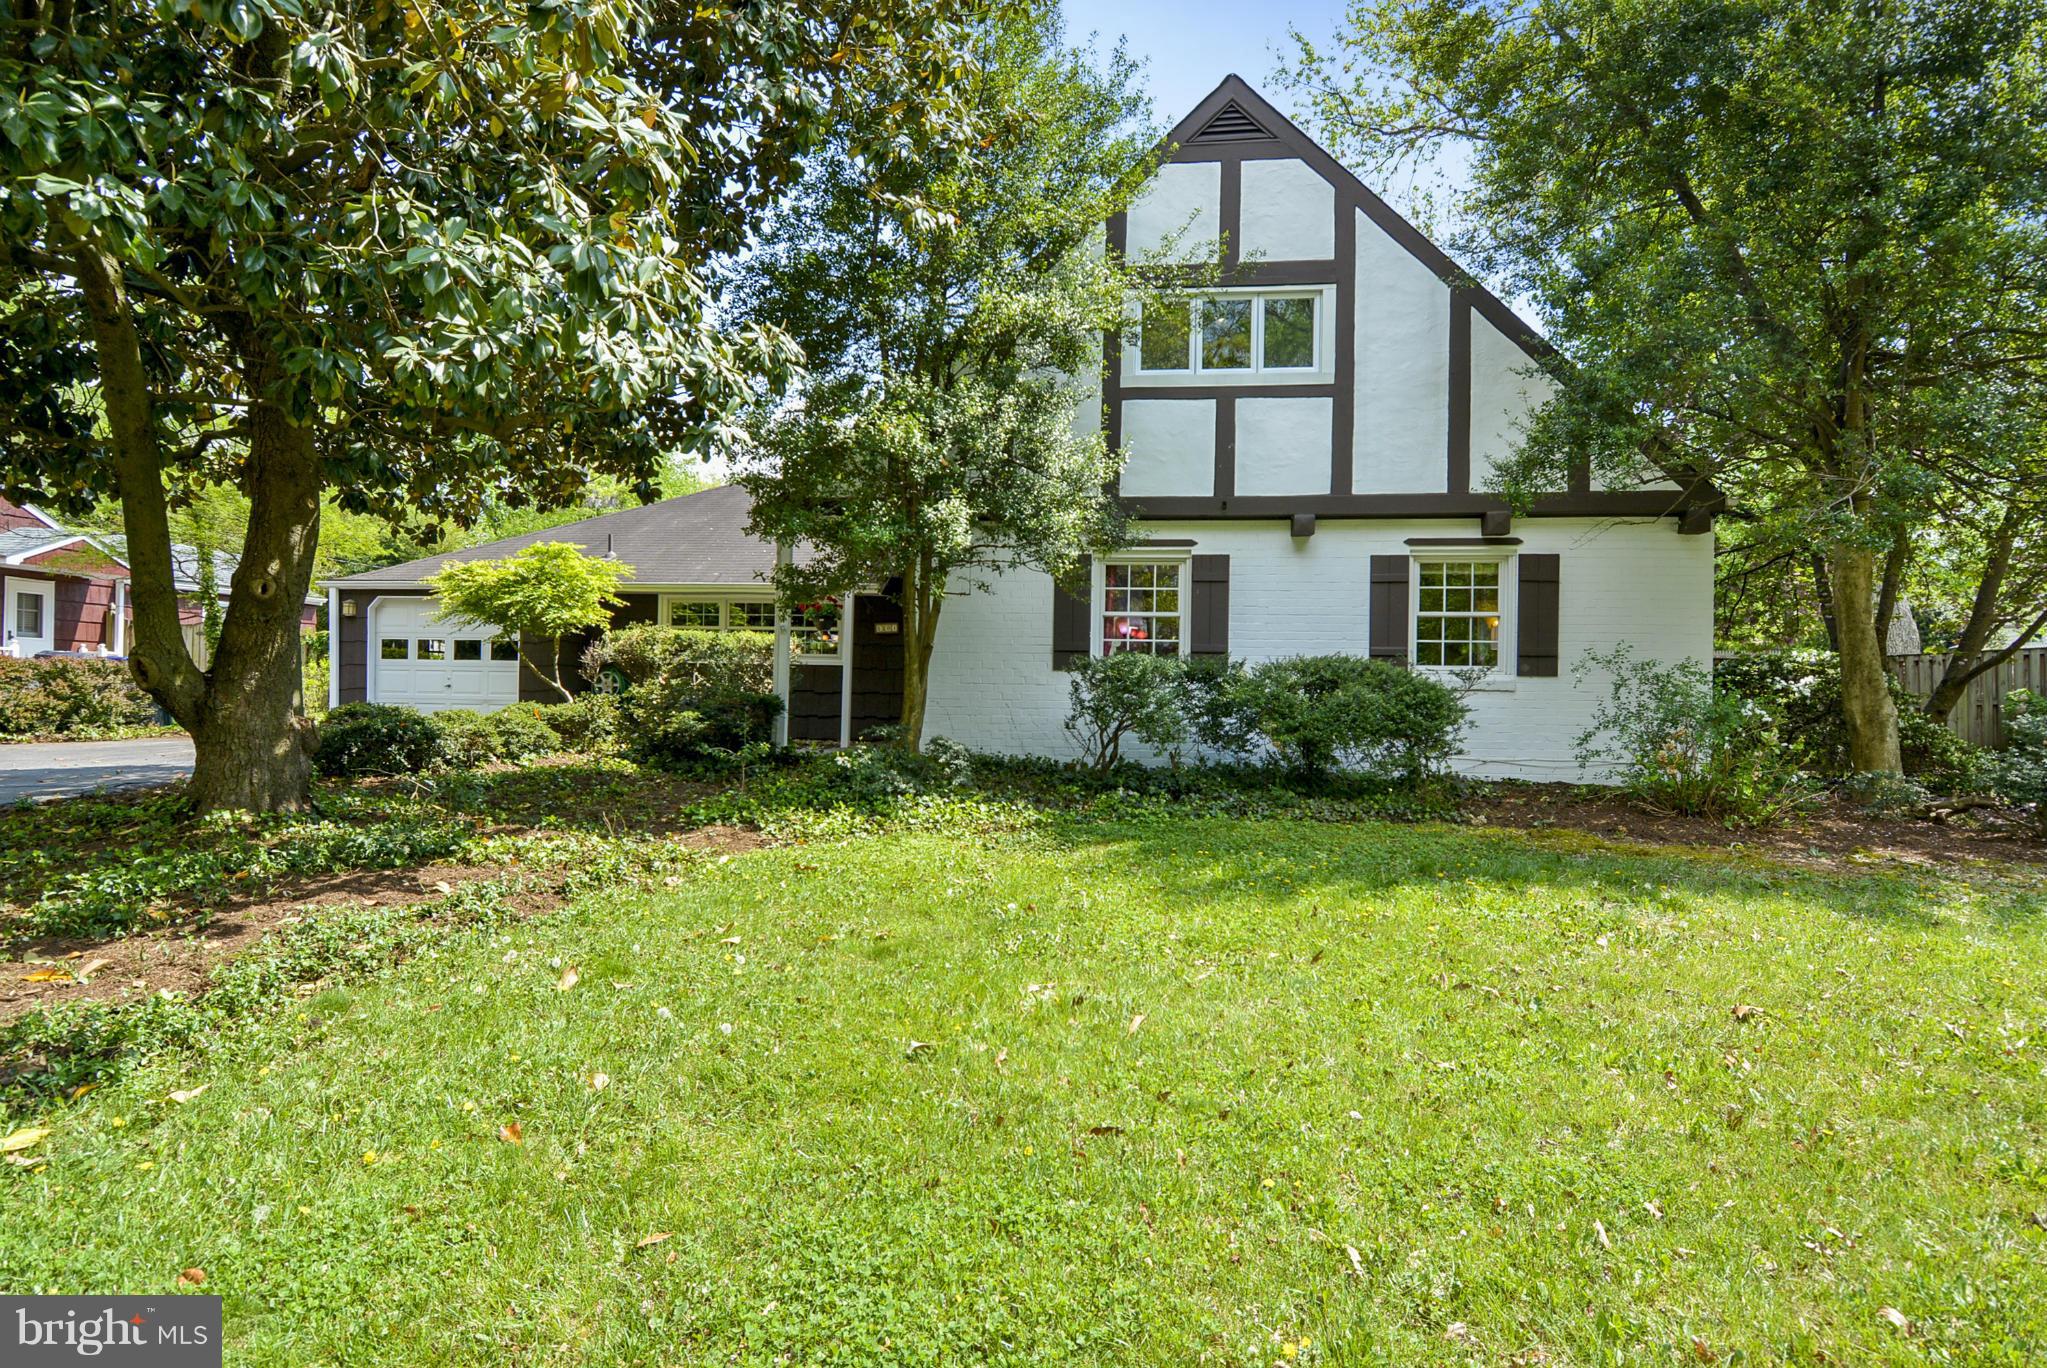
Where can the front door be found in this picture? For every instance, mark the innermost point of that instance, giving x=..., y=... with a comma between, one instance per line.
x=29, y=623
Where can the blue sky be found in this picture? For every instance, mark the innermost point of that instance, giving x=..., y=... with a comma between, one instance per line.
x=1192, y=45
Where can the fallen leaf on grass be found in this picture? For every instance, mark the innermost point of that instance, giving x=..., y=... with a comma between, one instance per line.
x=1897, y=1318
x=1744, y=1012
x=567, y=980
x=1104, y=1130
x=914, y=1047
x=656, y=1238
x=1001, y=1058
x=599, y=1082
x=48, y=976
x=192, y=1277
x=1357, y=1265
x=1135, y=1022
x=85, y=971
x=511, y=1133
x=1599, y=1229
x=1701, y=1352
x=184, y=1095
x=22, y=1139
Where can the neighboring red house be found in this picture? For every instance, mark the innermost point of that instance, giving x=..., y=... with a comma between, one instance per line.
x=63, y=590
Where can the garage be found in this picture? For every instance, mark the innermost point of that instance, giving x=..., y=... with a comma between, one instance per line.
x=421, y=661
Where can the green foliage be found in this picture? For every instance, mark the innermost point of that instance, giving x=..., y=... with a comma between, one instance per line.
x=523, y=730
x=465, y=736
x=669, y=720
x=77, y=699
x=539, y=594
x=951, y=310
x=2018, y=772
x=1126, y=694
x=1728, y=216
x=1527, y=988
x=1316, y=713
x=696, y=659
x=423, y=256
x=377, y=738
x=1802, y=691
x=589, y=725
x=1676, y=743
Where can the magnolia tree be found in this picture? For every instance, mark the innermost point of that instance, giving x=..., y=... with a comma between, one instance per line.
x=539, y=595
x=951, y=313
x=1795, y=246
x=421, y=255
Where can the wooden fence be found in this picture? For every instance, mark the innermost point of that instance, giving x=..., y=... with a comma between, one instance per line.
x=1979, y=715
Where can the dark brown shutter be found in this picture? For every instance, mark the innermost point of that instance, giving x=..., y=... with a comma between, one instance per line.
x=1070, y=615
x=1210, y=634
x=1536, y=635
x=1389, y=608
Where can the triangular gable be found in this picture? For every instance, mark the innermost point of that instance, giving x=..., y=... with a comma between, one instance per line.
x=1238, y=107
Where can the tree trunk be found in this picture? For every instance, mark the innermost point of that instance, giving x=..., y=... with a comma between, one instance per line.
x=1865, y=689
x=920, y=631
x=246, y=712
x=254, y=741
x=1823, y=590
x=1962, y=662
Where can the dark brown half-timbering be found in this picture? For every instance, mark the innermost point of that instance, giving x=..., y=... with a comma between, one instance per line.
x=1070, y=615
x=1388, y=608
x=1209, y=625
x=1536, y=632
x=1234, y=124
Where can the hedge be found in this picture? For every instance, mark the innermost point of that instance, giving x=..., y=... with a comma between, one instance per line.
x=70, y=697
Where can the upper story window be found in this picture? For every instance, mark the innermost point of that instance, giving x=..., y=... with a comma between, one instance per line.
x=1457, y=615
x=1241, y=334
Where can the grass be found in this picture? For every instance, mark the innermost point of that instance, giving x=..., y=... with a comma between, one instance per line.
x=1152, y=1091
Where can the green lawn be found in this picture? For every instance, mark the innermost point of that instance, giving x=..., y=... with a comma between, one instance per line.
x=1166, y=1092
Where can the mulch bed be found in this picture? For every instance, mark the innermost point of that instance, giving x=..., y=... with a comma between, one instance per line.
x=1833, y=834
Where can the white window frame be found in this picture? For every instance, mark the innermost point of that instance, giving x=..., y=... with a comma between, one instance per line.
x=725, y=602
x=1098, y=597
x=838, y=651
x=1502, y=674
x=1323, y=297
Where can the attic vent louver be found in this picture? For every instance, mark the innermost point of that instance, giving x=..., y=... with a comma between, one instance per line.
x=1230, y=124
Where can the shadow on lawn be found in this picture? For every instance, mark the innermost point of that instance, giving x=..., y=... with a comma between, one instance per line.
x=1278, y=862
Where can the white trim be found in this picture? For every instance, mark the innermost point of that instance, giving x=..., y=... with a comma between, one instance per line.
x=43, y=589
x=846, y=671
x=45, y=519
x=1501, y=678
x=781, y=729
x=724, y=598
x=1182, y=557
x=1322, y=371
x=334, y=649
x=120, y=641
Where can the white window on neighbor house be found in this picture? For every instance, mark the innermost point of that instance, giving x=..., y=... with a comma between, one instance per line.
x=1458, y=613
x=1142, y=607
x=714, y=614
x=1235, y=334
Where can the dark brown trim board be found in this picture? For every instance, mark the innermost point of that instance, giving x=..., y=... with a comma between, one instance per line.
x=1225, y=446
x=1231, y=213
x=1460, y=392
x=1343, y=411
x=1614, y=504
x=1463, y=541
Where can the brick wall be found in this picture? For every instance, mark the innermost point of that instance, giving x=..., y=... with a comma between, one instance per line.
x=993, y=685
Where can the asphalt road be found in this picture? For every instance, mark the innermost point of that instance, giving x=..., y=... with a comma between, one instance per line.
x=33, y=773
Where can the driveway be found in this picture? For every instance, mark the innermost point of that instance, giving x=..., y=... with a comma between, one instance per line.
x=63, y=769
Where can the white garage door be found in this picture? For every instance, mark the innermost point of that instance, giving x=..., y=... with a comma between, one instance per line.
x=417, y=659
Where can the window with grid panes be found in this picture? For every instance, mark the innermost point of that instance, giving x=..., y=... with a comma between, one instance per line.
x=1141, y=607
x=1457, y=614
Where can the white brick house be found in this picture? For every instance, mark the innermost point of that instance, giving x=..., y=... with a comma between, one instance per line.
x=1307, y=451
